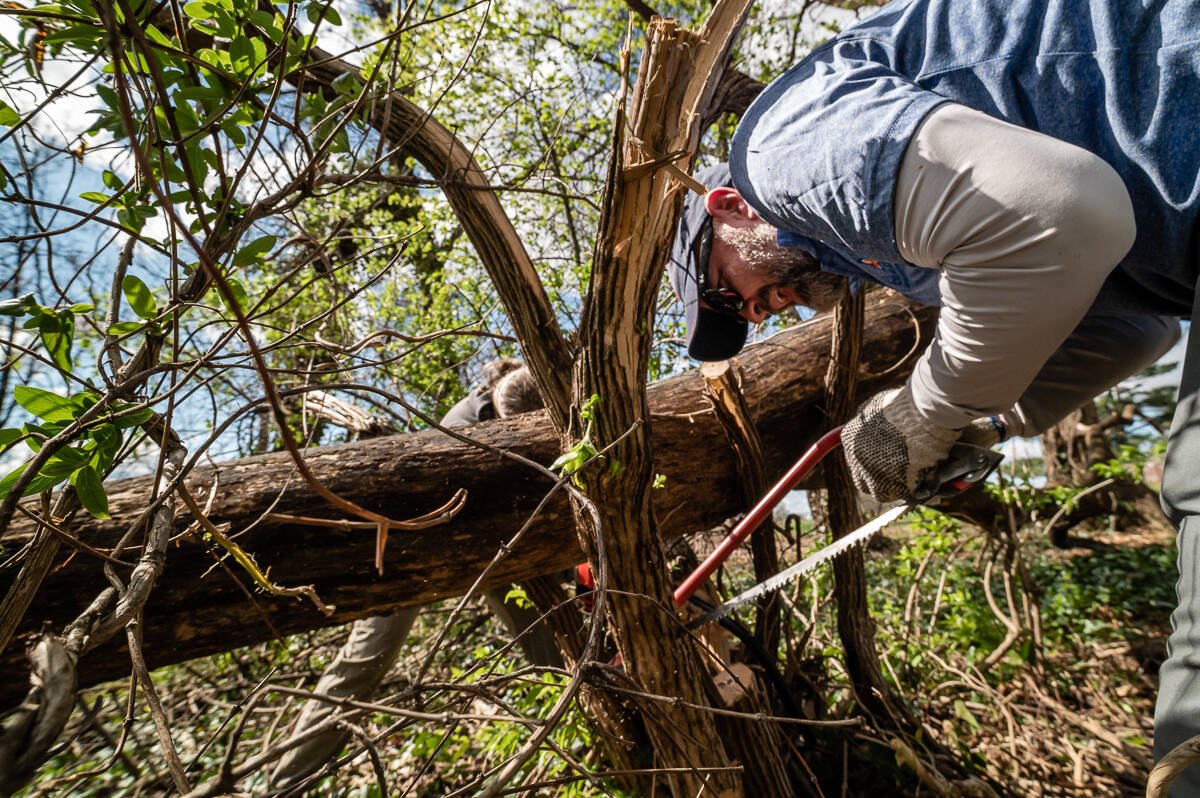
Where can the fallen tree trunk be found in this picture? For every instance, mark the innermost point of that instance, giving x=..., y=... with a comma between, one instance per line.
x=199, y=609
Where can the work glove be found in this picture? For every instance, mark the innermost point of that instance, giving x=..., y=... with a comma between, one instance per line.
x=891, y=449
x=984, y=432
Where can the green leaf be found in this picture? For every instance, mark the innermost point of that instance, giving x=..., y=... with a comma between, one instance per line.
x=568, y=462
x=8, y=116
x=98, y=197
x=198, y=9
x=139, y=297
x=85, y=399
x=198, y=158
x=267, y=22
x=961, y=712
x=90, y=491
x=129, y=417
x=589, y=407
x=242, y=54
x=516, y=595
x=200, y=93
x=6, y=484
x=239, y=293
x=254, y=251
x=186, y=119
x=57, y=334
x=9, y=436
x=124, y=327
x=260, y=52
x=36, y=485
x=17, y=306
x=82, y=307
x=107, y=440
x=43, y=404
x=107, y=95
x=81, y=36
x=347, y=83
x=113, y=180
x=63, y=463
x=132, y=219
x=236, y=136
x=157, y=36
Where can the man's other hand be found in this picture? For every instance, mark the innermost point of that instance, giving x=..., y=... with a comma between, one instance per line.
x=891, y=449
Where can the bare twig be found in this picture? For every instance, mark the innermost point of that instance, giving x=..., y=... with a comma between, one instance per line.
x=156, y=711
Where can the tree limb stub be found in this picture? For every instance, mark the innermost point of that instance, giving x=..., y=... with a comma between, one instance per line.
x=198, y=612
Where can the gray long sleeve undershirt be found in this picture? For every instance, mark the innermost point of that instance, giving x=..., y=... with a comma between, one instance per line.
x=1025, y=229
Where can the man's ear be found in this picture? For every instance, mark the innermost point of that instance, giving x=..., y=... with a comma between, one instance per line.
x=725, y=204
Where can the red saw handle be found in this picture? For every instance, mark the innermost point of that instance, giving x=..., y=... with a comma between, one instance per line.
x=802, y=468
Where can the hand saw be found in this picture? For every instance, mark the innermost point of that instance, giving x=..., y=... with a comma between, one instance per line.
x=965, y=466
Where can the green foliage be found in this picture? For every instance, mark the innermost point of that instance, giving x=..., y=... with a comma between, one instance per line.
x=55, y=327
x=955, y=615
x=139, y=297
x=349, y=266
x=935, y=577
x=8, y=115
x=572, y=461
x=516, y=594
x=1105, y=595
x=83, y=462
x=95, y=444
x=1128, y=463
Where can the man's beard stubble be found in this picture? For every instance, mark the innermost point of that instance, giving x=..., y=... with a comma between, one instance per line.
x=757, y=246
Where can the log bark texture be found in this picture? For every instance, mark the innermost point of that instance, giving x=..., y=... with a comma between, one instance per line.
x=199, y=609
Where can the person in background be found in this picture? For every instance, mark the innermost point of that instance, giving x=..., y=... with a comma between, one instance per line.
x=374, y=643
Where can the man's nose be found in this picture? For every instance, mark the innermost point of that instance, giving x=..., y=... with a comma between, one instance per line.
x=754, y=312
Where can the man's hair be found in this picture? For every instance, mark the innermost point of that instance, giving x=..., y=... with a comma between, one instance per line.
x=757, y=246
x=516, y=392
x=494, y=371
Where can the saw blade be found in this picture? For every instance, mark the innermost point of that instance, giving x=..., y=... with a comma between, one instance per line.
x=839, y=546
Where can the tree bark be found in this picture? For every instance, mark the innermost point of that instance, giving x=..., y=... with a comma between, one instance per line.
x=1072, y=446
x=621, y=538
x=199, y=610
x=729, y=404
x=855, y=625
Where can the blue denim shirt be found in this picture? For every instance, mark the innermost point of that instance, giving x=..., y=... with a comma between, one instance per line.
x=818, y=152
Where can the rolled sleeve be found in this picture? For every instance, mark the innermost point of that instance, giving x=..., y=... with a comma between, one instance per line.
x=819, y=151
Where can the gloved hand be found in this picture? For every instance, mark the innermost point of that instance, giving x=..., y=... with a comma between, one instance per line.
x=984, y=432
x=891, y=449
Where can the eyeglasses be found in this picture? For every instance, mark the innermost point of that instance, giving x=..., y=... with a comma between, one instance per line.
x=725, y=301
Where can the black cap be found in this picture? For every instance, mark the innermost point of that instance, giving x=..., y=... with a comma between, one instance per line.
x=710, y=335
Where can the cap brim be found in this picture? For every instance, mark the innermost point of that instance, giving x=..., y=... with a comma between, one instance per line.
x=712, y=336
